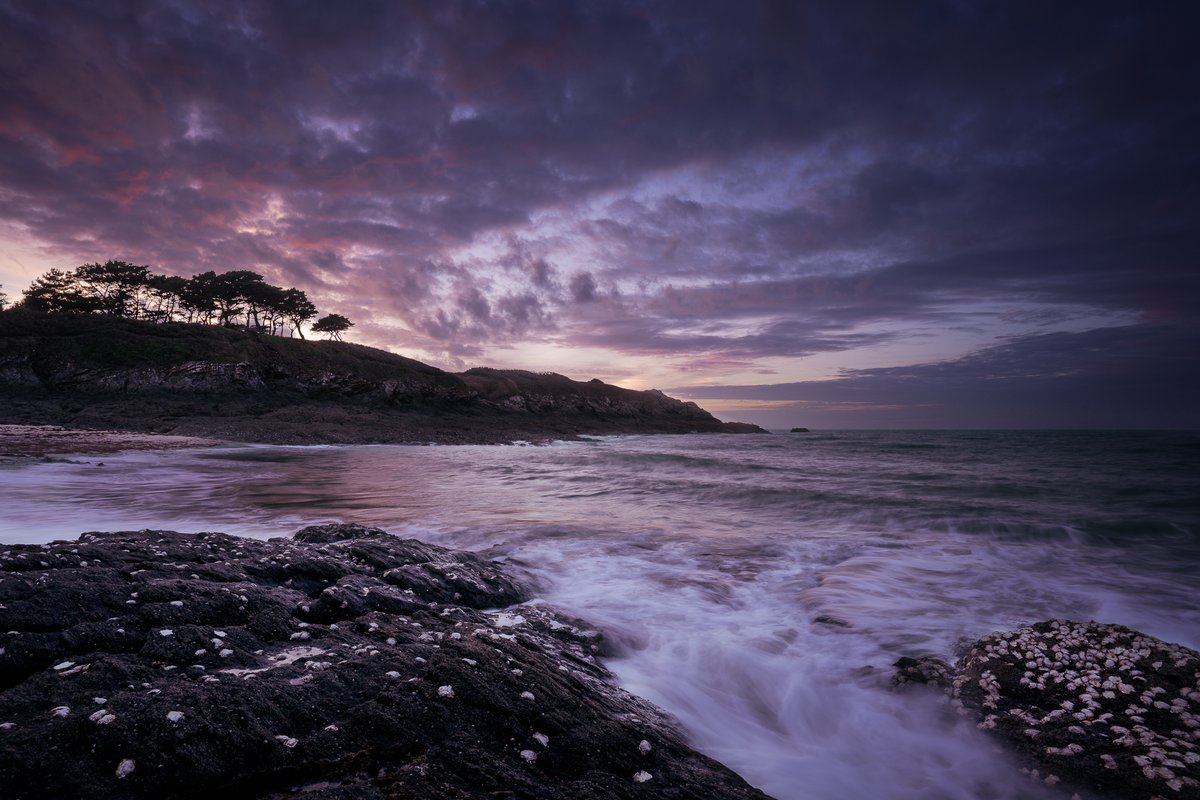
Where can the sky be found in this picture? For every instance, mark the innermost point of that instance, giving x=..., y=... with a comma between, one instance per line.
x=821, y=214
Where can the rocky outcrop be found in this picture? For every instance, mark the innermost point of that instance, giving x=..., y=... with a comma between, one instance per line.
x=922, y=671
x=64, y=376
x=341, y=663
x=549, y=393
x=1096, y=708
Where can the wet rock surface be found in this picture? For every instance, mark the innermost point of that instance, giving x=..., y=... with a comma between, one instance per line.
x=1098, y=709
x=342, y=663
x=922, y=671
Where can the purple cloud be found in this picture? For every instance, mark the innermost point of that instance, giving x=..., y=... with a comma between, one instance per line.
x=720, y=184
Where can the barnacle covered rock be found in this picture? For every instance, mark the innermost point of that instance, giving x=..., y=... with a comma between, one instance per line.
x=342, y=663
x=1102, y=708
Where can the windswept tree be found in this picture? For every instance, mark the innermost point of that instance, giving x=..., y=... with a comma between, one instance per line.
x=297, y=309
x=332, y=324
x=128, y=290
x=164, y=297
x=58, y=291
x=221, y=295
x=261, y=299
x=265, y=312
x=199, y=297
x=230, y=290
x=116, y=287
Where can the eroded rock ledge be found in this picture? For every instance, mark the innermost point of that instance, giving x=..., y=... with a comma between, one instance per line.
x=1097, y=708
x=342, y=663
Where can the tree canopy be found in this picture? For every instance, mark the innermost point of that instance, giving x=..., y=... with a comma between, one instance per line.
x=332, y=324
x=236, y=298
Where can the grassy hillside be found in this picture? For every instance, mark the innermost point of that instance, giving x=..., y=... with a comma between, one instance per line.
x=107, y=342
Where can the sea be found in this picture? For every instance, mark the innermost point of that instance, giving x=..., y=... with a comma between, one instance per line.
x=758, y=587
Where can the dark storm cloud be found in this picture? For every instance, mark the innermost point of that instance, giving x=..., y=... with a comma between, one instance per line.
x=542, y=274
x=843, y=174
x=583, y=287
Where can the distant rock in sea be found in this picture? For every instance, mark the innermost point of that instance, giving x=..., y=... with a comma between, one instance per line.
x=341, y=663
x=799, y=430
x=1096, y=708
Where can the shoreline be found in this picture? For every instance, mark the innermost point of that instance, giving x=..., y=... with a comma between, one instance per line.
x=23, y=443
x=20, y=443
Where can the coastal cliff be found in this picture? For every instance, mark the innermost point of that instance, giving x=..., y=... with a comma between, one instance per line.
x=105, y=372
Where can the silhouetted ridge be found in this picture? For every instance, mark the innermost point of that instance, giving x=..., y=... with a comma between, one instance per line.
x=100, y=371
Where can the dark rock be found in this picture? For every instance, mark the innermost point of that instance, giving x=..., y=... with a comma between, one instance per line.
x=465, y=580
x=1099, y=708
x=922, y=671
x=335, y=532
x=343, y=663
x=799, y=430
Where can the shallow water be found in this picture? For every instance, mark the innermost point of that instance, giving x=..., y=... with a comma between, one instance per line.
x=711, y=558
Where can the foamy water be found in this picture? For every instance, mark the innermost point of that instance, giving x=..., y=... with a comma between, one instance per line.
x=760, y=586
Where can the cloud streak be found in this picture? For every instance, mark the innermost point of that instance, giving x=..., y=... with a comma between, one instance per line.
x=1090, y=379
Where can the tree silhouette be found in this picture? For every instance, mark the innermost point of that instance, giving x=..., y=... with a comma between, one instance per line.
x=296, y=309
x=166, y=291
x=58, y=291
x=128, y=290
x=199, y=297
x=233, y=288
x=115, y=287
x=265, y=312
x=332, y=324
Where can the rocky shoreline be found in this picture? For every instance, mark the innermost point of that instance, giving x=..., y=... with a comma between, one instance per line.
x=344, y=662
x=22, y=442
x=341, y=663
